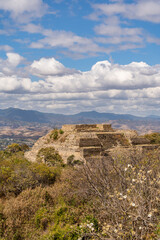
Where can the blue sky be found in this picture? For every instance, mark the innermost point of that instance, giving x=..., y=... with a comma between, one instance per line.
x=67, y=56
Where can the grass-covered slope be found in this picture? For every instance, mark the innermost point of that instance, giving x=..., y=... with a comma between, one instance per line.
x=110, y=199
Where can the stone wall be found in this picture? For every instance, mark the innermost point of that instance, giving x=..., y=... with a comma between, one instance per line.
x=68, y=128
x=109, y=140
x=140, y=140
x=89, y=142
x=92, y=152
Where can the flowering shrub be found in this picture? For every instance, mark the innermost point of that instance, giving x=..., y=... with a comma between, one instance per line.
x=128, y=190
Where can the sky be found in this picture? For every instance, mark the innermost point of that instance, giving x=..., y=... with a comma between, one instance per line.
x=69, y=56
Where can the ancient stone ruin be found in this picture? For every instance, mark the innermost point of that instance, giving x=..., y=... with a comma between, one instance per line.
x=88, y=141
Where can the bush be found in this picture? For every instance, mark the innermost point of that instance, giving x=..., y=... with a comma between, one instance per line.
x=13, y=148
x=18, y=174
x=72, y=162
x=54, y=134
x=61, y=131
x=42, y=218
x=109, y=198
x=153, y=137
x=24, y=214
x=127, y=188
x=49, y=156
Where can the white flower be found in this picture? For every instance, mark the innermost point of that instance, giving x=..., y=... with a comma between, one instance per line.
x=140, y=228
x=133, y=180
x=125, y=169
x=125, y=196
x=133, y=204
x=150, y=215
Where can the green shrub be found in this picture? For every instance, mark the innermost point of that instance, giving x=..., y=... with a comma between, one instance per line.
x=153, y=137
x=66, y=232
x=54, y=134
x=43, y=174
x=61, y=131
x=18, y=174
x=42, y=218
x=14, y=147
x=49, y=156
x=72, y=162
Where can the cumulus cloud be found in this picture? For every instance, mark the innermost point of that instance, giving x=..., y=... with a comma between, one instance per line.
x=105, y=87
x=9, y=65
x=49, y=67
x=24, y=10
x=13, y=84
x=14, y=59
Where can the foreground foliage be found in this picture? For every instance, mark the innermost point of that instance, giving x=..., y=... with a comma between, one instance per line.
x=18, y=174
x=153, y=137
x=115, y=198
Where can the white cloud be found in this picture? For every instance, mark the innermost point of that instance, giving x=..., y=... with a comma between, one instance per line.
x=32, y=28
x=14, y=84
x=24, y=10
x=6, y=48
x=14, y=59
x=116, y=30
x=145, y=10
x=129, y=88
x=116, y=26
x=64, y=40
x=49, y=67
x=153, y=40
x=113, y=32
x=9, y=65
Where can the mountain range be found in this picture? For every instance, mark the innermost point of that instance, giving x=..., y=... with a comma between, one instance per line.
x=15, y=122
x=31, y=116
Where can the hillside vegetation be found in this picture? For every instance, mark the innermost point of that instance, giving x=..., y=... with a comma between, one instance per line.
x=114, y=198
x=154, y=138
